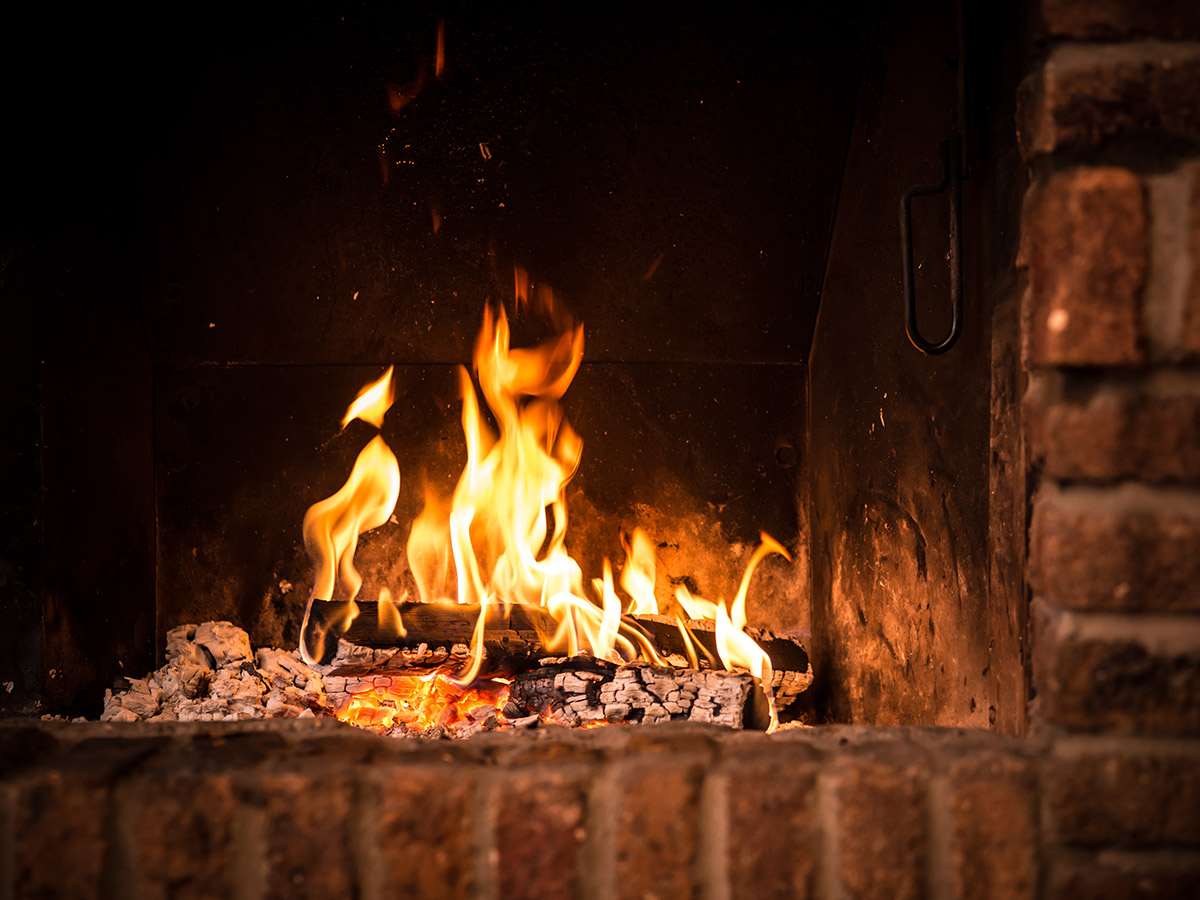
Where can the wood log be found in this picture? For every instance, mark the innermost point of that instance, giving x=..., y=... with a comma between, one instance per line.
x=582, y=690
x=437, y=636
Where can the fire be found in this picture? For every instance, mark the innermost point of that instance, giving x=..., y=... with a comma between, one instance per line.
x=423, y=702
x=501, y=538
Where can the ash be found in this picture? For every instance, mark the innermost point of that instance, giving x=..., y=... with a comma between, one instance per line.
x=212, y=675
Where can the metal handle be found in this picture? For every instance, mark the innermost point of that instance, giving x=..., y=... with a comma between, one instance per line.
x=952, y=176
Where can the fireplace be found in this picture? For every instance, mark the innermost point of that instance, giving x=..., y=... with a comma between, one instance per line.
x=999, y=538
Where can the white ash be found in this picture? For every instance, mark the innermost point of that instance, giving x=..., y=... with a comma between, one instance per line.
x=211, y=674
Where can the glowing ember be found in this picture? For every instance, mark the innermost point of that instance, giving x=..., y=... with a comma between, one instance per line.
x=501, y=538
x=422, y=703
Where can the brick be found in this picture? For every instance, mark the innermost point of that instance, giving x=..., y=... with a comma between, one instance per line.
x=1087, y=94
x=771, y=828
x=424, y=824
x=182, y=834
x=1084, y=243
x=308, y=835
x=1190, y=336
x=23, y=745
x=1125, y=799
x=539, y=828
x=657, y=830
x=1098, y=19
x=1112, y=684
x=1130, y=880
x=60, y=825
x=1116, y=434
x=994, y=828
x=1117, y=559
x=881, y=829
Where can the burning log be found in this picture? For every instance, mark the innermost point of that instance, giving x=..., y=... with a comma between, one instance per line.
x=584, y=691
x=437, y=636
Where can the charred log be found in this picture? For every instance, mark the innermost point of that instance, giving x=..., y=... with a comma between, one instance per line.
x=582, y=691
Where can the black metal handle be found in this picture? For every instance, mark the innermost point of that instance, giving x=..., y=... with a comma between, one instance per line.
x=952, y=176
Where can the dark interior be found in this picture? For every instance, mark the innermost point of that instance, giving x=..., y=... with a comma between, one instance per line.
x=214, y=238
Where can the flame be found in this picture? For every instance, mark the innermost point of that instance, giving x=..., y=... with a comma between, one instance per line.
x=735, y=648
x=439, y=64
x=389, y=614
x=507, y=520
x=637, y=578
x=501, y=538
x=372, y=401
x=421, y=703
x=332, y=526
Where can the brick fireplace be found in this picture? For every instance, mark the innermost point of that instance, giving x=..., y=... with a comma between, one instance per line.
x=1071, y=764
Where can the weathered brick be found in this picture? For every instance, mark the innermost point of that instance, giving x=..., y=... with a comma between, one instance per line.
x=60, y=826
x=1190, y=335
x=1092, y=19
x=424, y=827
x=1119, y=433
x=771, y=828
x=182, y=834
x=1114, y=559
x=881, y=830
x=1127, y=799
x=1112, y=684
x=1130, y=880
x=994, y=828
x=539, y=827
x=1084, y=243
x=1085, y=94
x=308, y=837
x=657, y=830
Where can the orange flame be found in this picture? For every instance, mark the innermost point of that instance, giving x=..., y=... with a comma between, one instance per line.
x=637, y=577
x=332, y=526
x=439, y=64
x=389, y=614
x=372, y=401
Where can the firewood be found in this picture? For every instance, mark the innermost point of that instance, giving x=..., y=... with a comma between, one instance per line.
x=581, y=690
x=437, y=638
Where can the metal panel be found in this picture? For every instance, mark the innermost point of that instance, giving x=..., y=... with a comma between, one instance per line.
x=672, y=172
x=899, y=441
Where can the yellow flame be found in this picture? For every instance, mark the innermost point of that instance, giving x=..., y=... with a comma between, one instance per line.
x=332, y=525
x=637, y=576
x=768, y=546
x=372, y=401
x=471, y=672
x=695, y=607
x=389, y=614
x=428, y=551
x=689, y=645
x=734, y=646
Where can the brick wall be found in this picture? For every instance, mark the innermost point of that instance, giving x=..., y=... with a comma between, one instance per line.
x=1109, y=124
x=315, y=810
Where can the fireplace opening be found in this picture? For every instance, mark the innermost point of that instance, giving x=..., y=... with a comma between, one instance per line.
x=291, y=207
